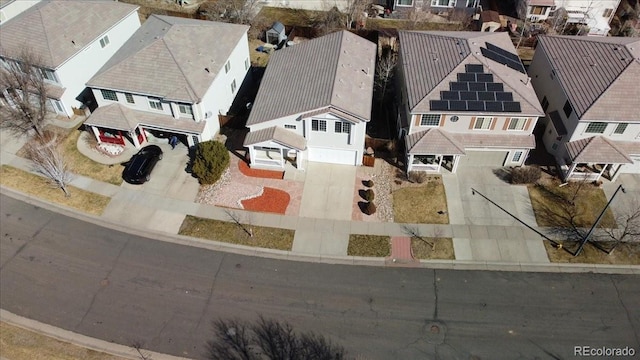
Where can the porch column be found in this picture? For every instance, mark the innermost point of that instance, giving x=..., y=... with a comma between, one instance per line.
x=602, y=171
x=616, y=172
x=300, y=159
x=440, y=162
x=571, y=169
x=282, y=160
x=456, y=160
x=96, y=133
x=134, y=138
x=252, y=154
x=410, y=163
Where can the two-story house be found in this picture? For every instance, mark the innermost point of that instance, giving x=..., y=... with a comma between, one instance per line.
x=595, y=14
x=436, y=6
x=11, y=8
x=172, y=78
x=314, y=103
x=70, y=40
x=465, y=100
x=589, y=88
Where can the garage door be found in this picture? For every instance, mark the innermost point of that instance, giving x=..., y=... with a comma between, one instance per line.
x=484, y=158
x=333, y=156
x=632, y=168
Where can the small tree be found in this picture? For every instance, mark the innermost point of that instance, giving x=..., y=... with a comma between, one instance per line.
x=628, y=221
x=385, y=70
x=233, y=11
x=211, y=159
x=48, y=161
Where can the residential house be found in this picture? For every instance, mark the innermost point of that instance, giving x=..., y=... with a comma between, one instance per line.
x=539, y=10
x=437, y=6
x=595, y=14
x=71, y=40
x=314, y=103
x=465, y=100
x=11, y=8
x=589, y=90
x=172, y=78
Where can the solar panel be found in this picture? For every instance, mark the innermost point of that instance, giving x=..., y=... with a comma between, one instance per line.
x=438, y=105
x=468, y=95
x=474, y=68
x=459, y=86
x=490, y=54
x=511, y=106
x=474, y=86
x=466, y=77
x=458, y=105
x=485, y=78
x=504, y=96
x=486, y=95
x=475, y=105
x=495, y=87
x=493, y=106
x=450, y=95
x=503, y=52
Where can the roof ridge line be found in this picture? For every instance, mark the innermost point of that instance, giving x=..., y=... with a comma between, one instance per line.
x=616, y=147
x=452, y=140
x=46, y=35
x=190, y=86
x=335, y=70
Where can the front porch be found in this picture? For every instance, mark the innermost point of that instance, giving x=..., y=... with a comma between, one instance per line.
x=433, y=162
x=592, y=158
x=274, y=147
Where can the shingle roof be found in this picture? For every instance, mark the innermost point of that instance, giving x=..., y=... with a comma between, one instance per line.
x=120, y=117
x=431, y=60
x=56, y=30
x=599, y=75
x=597, y=149
x=276, y=134
x=335, y=70
x=495, y=141
x=433, y=141
x=171, y=58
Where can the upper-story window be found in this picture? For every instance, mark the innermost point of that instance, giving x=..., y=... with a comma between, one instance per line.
x=185, y=109
x=545, y=104
x=48, y=74
x=227, y=67
x=620, y=128
x=104, y=41
x=517, y=123
x=287, y=126
x=567, y=109
x=405, y=2
x=447, y=3
x=233, y=86
x=430, y=120
x=482, y=123
x=129, y=98
x=343, y=127
x=607, y=13
x=109, y=95
x=155, y=104
x=318, y=125
x=596, y=127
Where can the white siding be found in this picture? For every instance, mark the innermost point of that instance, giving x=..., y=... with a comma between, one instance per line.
x=11, y=10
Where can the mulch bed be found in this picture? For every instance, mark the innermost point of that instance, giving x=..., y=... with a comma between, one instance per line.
x=272, y=200
x=266, y=174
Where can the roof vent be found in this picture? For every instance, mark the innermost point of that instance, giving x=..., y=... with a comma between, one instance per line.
x=73, y=42
x=207, y=70
x=366, y=71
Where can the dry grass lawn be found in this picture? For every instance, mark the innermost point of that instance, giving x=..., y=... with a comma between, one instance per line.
x=288, y=17
x=258, y=59
x=552, y=208
x=82, y=165
x=229, y=232
x=624, y=254
x=443, y=249
x=369, y=245
x=421, y=204
x=401, y=24
x=19, y=344
x=39, y=187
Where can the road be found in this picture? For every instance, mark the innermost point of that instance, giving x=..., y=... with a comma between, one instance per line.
x=124, y=288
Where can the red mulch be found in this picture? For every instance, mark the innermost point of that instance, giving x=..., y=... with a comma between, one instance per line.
x=272, y=200
x=266, y=174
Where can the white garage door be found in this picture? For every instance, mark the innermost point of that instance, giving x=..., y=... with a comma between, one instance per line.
x=333, y=156
x=632, y=168
x=484, y=158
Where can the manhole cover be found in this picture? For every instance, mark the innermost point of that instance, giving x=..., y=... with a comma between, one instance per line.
x=435, y=333
x=435, y=329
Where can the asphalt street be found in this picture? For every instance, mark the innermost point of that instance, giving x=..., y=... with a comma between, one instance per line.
x=124, y=288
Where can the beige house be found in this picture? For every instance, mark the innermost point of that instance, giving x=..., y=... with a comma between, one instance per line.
x=589, y=89
x=466, y=100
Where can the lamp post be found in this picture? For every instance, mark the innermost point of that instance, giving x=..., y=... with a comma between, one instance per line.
x=586, y=238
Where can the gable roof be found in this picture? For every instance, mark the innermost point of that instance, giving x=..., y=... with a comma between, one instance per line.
x=433, y=60
x=433, y=141
x=119, y=117
x=597, y=149
x=55, y=30
x=598, y=75
x=276, y=134
x=334, y=70
x=171, y=58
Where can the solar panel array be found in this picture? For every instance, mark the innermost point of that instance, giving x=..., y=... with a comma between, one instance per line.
x=503, y=57
x=475, y=90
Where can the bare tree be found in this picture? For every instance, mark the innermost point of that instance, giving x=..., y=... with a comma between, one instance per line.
x=48, y=161
x=233, y=11
x=23, y=99
x=414, y=233
x=628, y=221
x=385, y=70
x=355, y=11
x=238, y=221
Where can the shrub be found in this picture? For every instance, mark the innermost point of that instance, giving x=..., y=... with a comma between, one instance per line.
x=210, y=160
x=368, y=183
x=417, y=176
x=370, y=208
x=369, y=195
x=525, y=175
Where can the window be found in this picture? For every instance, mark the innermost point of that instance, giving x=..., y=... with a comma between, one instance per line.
x=567, y=109
x=471, y=3
x=545, y=104
x=104, y=41
x=58, y=106
x=247, y=64
x=227, y=67
x=318, y=125
x=185, y=109
x=447, y=3
x=517, y=123
x=292, y=127
x=405, y=2
x=233, y=86
x=554, y=146
x=48, y=74
x=516, y=156
x=430, y=120
x=155, y=104
x=537, y=10
x=607, y=13
x=620, y=128
x=596, y=127
x=109, y=95
x=343, y=127
x=455, y=118
x=482, y=123
x=129, y=98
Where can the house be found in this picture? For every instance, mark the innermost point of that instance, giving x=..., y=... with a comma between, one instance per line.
x=11, y=8
x=589, y=91
x=596, y=15
x=71, y=40
x=172, y=78
x=436, y=6
x=465, y=100
x=539, y=10
x=314, y=103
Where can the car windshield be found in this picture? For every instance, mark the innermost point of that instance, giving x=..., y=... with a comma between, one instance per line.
x=138, y=163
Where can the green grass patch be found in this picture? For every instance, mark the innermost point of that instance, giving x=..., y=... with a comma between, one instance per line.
x=369, y=245
x=229, y=232
x=423, y=204
x=442, y=249
x=39, y=187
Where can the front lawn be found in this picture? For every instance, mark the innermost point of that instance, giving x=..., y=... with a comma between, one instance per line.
x=624, y=254
x=82, y=165
x=442, y=249
x=369, y=245
x=423, y=204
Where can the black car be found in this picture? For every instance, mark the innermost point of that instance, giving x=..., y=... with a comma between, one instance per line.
x=138, y=169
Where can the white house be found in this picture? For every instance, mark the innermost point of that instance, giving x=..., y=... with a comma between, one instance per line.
x=173, y=77
x=71, y=40
x=11, y=8
x=589, y=88
x=465, y=100
x=314, y=103
x=595, y=14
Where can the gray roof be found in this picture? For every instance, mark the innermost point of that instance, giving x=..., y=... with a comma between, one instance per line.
x=54, y=31
x=431, y=60
x=276, y=134
x=597, y=149
x=120, y=117
x=471, y=140
x=277, y=27
x=599, y=75
x=334, y=70
x=171, y=58
x=433, y=141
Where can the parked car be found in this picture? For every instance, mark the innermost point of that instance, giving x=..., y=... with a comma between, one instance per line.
x=138, y=168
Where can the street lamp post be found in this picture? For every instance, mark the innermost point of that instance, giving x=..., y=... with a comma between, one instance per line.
x=586, y=238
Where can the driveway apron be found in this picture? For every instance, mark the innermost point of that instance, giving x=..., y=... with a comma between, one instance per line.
x=328, y=191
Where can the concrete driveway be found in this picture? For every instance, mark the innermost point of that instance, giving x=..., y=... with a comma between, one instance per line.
x=328, y=191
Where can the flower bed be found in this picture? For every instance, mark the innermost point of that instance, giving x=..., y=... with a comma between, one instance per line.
x=266, y=174
x=272, y=200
